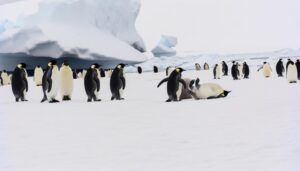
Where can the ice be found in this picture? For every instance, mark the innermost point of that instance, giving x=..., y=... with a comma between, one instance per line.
x=93, y=29
x=255, y=128
x=165, y=47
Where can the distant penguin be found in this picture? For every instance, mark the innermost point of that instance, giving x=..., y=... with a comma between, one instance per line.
x=140, y=71
x=109, y=72
x=117, y=82
x=240, y=68
x=280, y=68
x=298, y=68
x=51, y=82
x=102, y=73
x=206, y=91
x=169, y=70
x=92, y=83
x=206, y=66
x=5, y=78
x=184, y=91
x=288, y=63
x=292, y=73
x=267, y=70
x=224, y=68
x=197, y=67
x=217, y=71
x=234, y=71
x=66, y=83
x=155, y=69
x=38, y=75
x=173, y=85
x=1, y=80
x=19, y=82
x=246, y=70
x=74, y=74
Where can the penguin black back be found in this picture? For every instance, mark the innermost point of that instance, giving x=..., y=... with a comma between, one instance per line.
x=155, y=69
x=298, y=68
x=1, y=80
x=246, y=70
x=280, y=68
x=224, y=68
x=19, y=82
x=117, y=82
x=92, y=83
x=139, y=69
x=102, y=72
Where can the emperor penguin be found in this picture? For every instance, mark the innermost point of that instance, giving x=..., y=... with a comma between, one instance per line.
x=240, y=68
x=117, y=82
x=19, y=82
x=109, y=72
x=206, y=66
x=217, y=71
x=267, y=70
x=280, y=68
x=298, y=68
x=1, y=80
x=288, y=63
x=75, y=76
x=102, y=72
x=5, y=77
x=173, y=85
x=155, y=69
x=92, y=83
x=51, y=82
x=38, y=75
x=184, y=91
x=224, y=68
x=206, y=91
x=246, y=70
x=234, y=71
x=140, y=70
x=197, y=67
x=292, y=73
x=169, y=70
x=66, y=83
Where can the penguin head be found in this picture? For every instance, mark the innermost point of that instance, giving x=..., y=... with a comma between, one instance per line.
x=22, y=65
x=121, y=66
x=38, y=66
x=233, y=62
x=265, y=62
x=52, y=63
x=225, y=93
x=95, y=66
x=179, y=70
x=66, y=63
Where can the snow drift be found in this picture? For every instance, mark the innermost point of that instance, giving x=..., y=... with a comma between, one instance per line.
x=165, y=46
x=86, y=29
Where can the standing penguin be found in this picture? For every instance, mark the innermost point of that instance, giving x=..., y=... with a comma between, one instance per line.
x=102, y=72
x=267, y=70
x=217, y=71
x=51, y=82
x=288, y=63
x=139, y=70
x=206, y=66
x=38, y=75
x=224, y=68
x=109, y=72
x=292, y=73
x=246, y=70
x=92, y=83
x=173, y=85
x=5, y=78
x=280, y=68
x=197, y=67
x=234, y=71
x=240, y=68
x=19, y=82
x=66, y=83
x=155, y=69
x=298, y=68
x=75, y=76
x=117, y=82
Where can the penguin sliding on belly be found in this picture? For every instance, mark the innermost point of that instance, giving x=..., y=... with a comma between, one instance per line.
x=92, y=83
x=173, y=85
x=66, y=83
x=117, y=82
x=206, y=91
x=51, y=82
x=19, y=82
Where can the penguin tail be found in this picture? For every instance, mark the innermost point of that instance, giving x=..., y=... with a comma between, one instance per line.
x=226, y=93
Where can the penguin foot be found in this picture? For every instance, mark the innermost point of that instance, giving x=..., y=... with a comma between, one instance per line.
x=89, y=100
x=17, y=99
x=66, y=98
x=54, y=101
x=24, y=100
x=97, y=100
x=112, y=98
x=169, y=100
x=43, y=100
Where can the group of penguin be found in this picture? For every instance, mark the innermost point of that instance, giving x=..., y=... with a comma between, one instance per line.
x=55, y=79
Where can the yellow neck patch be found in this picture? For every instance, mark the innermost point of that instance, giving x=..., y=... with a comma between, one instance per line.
x=177, y=70
x=19, y=66
x=93, y=66
x=119, y=66
x=49, y=64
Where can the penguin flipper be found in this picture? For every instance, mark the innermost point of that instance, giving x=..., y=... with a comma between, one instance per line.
x=162, y=81
x=183, y=83
x=97, y=82
x=49, y=84
x=123, y=81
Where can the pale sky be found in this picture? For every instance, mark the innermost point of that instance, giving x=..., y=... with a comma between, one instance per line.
x=213, y=26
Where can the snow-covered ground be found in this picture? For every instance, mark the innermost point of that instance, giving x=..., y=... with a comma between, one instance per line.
x=256, y=128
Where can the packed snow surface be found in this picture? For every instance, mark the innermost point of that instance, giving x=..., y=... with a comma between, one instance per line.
x=255, y=128
x=88, y=29
x=165, y=46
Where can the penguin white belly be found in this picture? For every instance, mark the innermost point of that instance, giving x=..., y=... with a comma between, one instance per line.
x=66, y=83
x=266, y=71
x=240, y=68
x=55, y=85
x=6, y=79
x=218, y=71
x=179, y=91
x=209, y=90
x=38, y=76
x=292, y=73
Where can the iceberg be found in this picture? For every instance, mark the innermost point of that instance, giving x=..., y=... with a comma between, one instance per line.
x=165, y=46
x=98, y=30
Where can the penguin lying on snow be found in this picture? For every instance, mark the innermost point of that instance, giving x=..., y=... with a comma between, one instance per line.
x=173, y=85
x=19, y=82
x=51, y=82
x=92, y=83
x=117, y=82
x=206, y=91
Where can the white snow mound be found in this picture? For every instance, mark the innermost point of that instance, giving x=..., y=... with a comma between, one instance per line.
x=165, y=46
